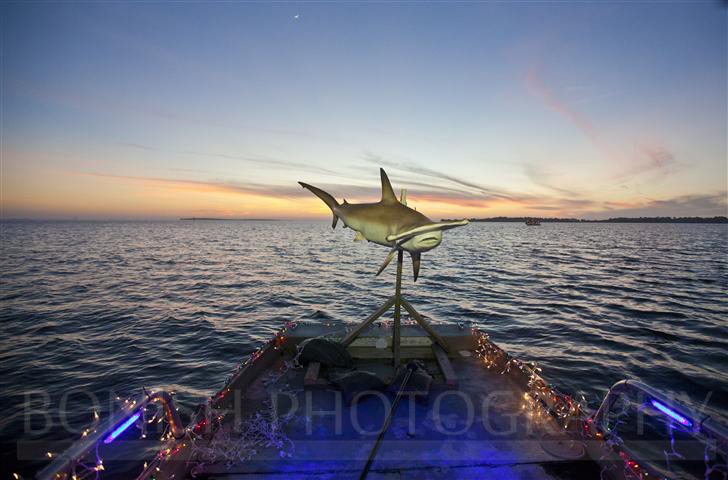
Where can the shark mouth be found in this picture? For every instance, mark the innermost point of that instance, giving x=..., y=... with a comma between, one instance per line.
x=428, y=242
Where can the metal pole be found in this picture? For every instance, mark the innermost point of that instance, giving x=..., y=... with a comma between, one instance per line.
x=410, y=368
x=397, y=305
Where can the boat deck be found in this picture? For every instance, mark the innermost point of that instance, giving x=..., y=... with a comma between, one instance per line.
x=472, y=426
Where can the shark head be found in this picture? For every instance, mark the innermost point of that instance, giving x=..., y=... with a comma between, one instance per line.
x=423, y=241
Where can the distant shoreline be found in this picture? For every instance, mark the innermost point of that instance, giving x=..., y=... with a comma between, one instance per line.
x=608, y=220
x=232, y=219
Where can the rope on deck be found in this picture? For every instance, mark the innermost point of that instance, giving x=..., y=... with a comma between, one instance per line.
x=411, y=367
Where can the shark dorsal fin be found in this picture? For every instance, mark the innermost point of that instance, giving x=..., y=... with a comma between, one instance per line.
x=387, y=192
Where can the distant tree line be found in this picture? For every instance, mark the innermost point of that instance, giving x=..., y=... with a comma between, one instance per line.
x=230, y=219
x=609, y=220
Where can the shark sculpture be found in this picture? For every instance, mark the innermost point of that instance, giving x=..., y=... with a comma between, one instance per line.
x=389, y=222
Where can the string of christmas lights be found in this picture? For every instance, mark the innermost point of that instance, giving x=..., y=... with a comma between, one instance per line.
x=542, y=399
x=265, y=429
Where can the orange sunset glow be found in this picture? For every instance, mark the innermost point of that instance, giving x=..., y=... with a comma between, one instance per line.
x=227, y=127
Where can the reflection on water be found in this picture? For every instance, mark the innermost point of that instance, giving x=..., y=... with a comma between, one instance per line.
x=101, y=306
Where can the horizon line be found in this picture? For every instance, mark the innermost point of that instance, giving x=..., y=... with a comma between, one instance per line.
x=272, y=219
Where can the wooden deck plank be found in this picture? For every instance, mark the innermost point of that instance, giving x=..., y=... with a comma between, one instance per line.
x=404, y=353
x=456, y=337
x=445, y=367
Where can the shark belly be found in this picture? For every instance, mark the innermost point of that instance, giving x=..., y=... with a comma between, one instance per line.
x=373, y=232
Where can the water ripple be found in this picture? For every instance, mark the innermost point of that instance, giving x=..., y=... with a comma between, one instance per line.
x=114, y=306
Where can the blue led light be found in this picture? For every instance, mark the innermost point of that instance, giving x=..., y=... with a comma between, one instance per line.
x=122, y=427
x=671, y=413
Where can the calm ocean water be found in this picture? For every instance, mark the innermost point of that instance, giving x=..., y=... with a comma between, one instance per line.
x=95, y=307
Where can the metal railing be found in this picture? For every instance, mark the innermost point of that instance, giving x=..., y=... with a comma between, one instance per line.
x=62, y=466
x=685, y=416
x=693, y=423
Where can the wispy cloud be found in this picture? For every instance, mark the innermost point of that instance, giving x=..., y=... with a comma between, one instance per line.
x=646, y=159
x=138, y=146
x=473, y=195
x=204, y=185
x=294, y=192
x=471, y=188
x=113, y=106
x=708, y=205
x=267, y=162
x=715, y=201
x=539, y=175
x=537, y=87
x=655, y=160
x=686, y=205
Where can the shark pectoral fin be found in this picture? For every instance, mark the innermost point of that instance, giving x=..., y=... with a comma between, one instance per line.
x=333, y=222
x=389, y=258
x=429, y=227
x=416, y=257
x=359, y=237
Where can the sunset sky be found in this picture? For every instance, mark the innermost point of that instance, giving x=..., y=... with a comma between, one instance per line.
x=164, y=110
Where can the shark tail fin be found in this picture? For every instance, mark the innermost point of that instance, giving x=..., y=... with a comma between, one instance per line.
x=327, y=199
x=416, y=260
